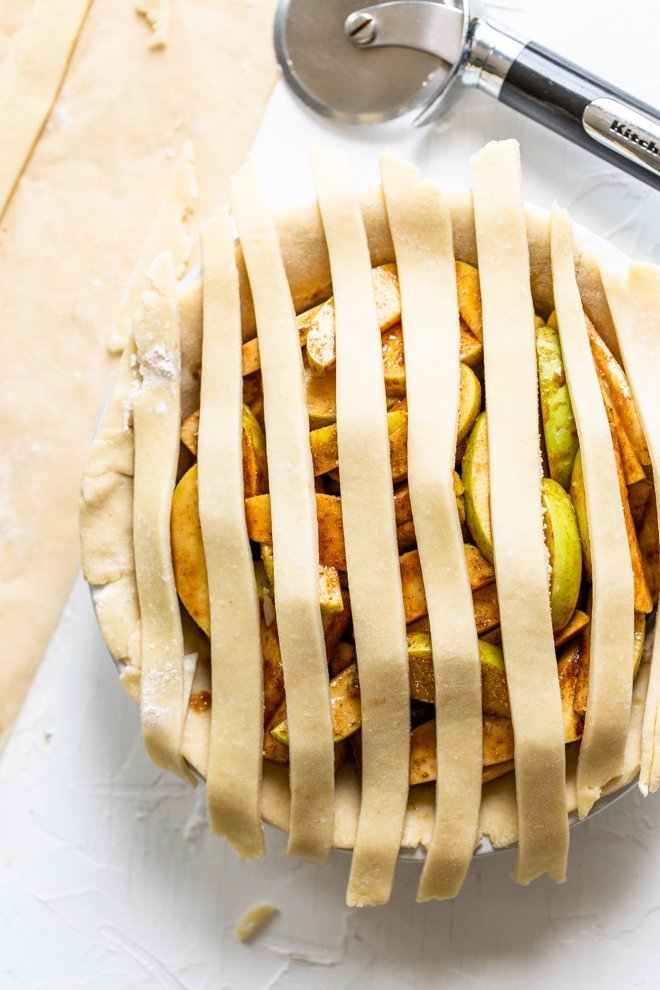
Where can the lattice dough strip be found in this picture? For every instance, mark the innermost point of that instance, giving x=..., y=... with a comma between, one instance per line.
x=423, y=244
x=156, y=423
x=635, y=306
x=233, y=779
x=611, y=629
x=370, y=538
x=521, y=561
x=294, y=525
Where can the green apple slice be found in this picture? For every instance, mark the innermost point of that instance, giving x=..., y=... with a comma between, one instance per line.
x=470, y=402
x=475, y=475
x=321, y=399
x=579, y=501
x=562, y=539
x=494, y=690
x=559, y=430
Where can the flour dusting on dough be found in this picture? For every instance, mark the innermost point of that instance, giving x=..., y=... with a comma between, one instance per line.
x=157, y=14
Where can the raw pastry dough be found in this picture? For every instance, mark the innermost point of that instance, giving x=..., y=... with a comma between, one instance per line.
x=372, y=556
x=521, y=560
x=35, y=76
x=294, y=524
x=235, y=753
x=167, y=233
x=73, y=228
x=156, y=424
x=611, y=629
x=423, y=245
x=635, y=306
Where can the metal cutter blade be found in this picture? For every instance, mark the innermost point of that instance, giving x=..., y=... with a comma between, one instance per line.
x=325, y=59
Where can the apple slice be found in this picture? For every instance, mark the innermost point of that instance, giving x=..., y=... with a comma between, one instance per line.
x=619, y=393
x=188, y=558
x=494, y=690
x=563, y=542
x=469, y=298
x=648, y=544
x=568, y=670
x=394, y=369
x=559, y=429
x=321, y=395
x=475, y=475
x=578, y=498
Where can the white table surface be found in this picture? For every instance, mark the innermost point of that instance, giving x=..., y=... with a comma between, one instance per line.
x=109, y=878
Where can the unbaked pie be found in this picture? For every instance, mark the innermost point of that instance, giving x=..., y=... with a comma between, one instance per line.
x=384, y=603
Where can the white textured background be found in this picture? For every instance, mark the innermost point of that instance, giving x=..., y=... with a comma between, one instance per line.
x=108, y=876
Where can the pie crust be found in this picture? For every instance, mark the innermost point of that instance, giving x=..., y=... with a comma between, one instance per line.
x=292, y=263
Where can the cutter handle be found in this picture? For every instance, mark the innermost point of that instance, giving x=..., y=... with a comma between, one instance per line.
x=586, y=110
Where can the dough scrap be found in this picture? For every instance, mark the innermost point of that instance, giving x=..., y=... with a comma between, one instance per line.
x=423, y=243
x=611, y=628
x=635, y=306
x=372, y=556
x=166, y=233
x=294, y=524
x=157, y=15
x=34, y=79
x=156, y=424
x=233, y=779
x=521, y=561
x=253, y=921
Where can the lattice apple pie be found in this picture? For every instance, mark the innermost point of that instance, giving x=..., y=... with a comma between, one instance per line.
x=377, y=602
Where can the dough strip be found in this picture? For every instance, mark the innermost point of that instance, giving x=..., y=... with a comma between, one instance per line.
x=521, y=559
x=611, y=629
x=370, y=537
x=635, y=306
x=294, y=523
x=420, y=223
x=233, y=779
x=156, y=424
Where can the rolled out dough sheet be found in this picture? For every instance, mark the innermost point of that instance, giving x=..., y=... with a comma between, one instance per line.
x=70, y=238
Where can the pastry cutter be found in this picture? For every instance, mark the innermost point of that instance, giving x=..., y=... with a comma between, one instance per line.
x=370, y=64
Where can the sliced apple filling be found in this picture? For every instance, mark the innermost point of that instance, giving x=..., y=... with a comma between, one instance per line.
x=563, y=507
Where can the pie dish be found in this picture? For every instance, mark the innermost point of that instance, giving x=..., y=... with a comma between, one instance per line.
x=242, y=533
